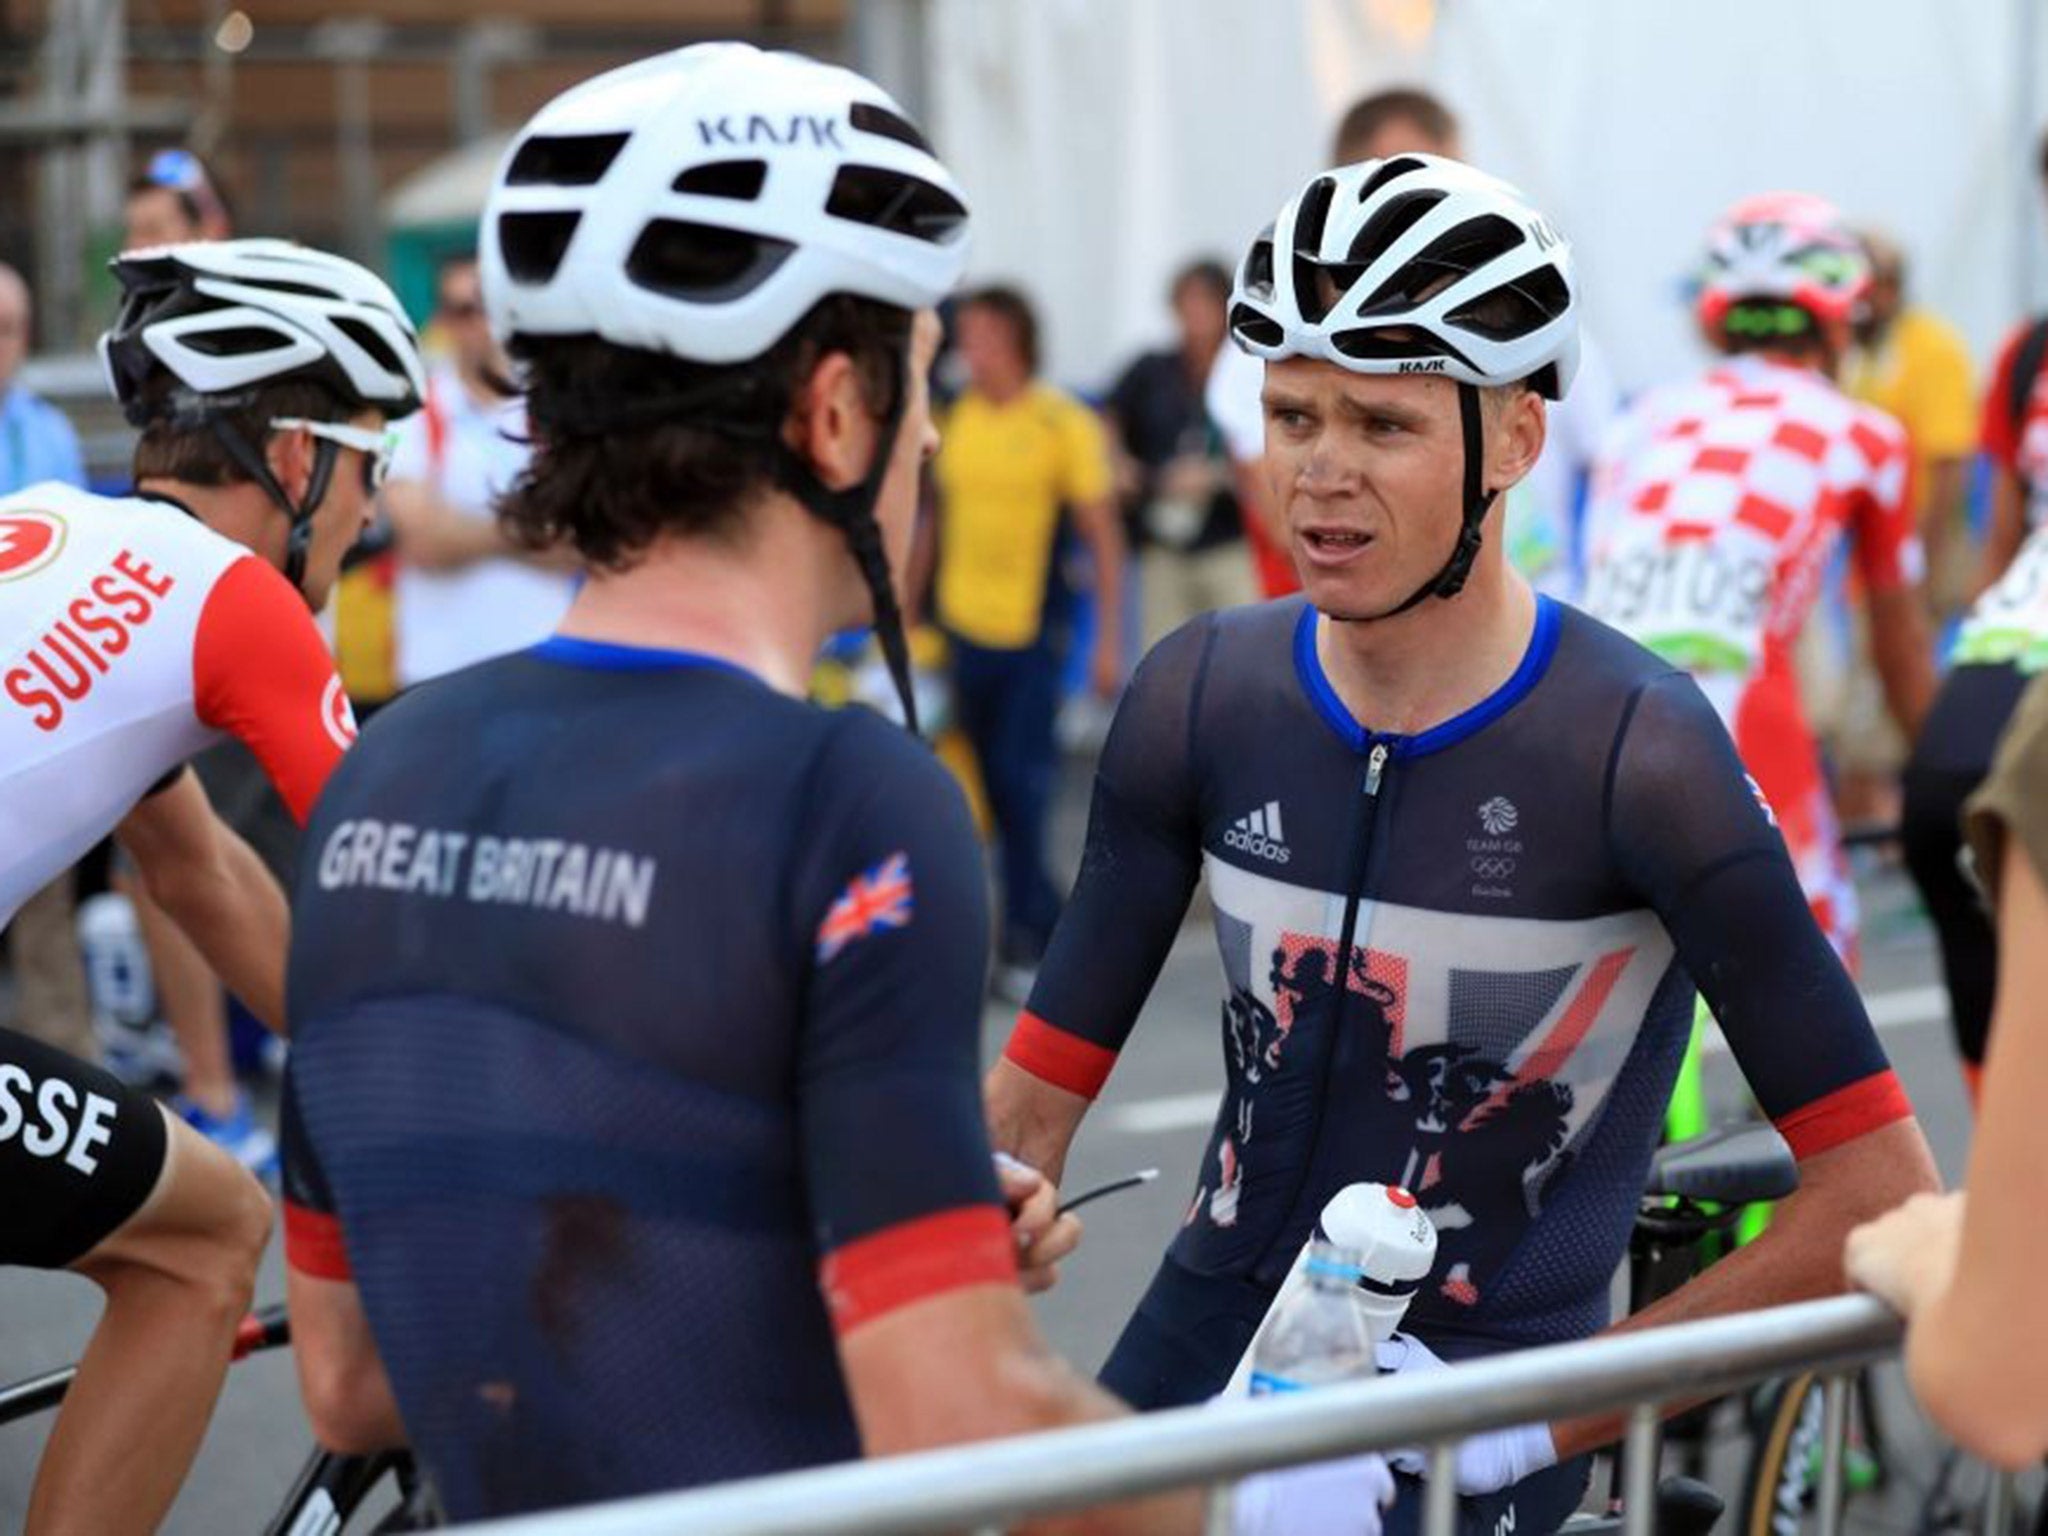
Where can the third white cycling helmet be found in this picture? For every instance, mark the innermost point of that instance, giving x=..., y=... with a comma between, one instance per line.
x=1787, y=246
x=1417, y=265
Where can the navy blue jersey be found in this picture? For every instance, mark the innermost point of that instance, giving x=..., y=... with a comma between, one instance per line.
x=1524, y=896
x=635, y=1014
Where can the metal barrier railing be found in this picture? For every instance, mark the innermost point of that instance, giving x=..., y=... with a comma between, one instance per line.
x=994, y=1484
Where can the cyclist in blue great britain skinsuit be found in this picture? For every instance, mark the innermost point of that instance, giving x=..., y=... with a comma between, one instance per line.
x=1469, y=853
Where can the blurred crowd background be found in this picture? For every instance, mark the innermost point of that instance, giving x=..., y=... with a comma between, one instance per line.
x=1098, y=483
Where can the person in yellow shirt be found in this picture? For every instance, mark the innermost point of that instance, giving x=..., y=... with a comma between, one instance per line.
x=1019, y=461
x=1912, y=365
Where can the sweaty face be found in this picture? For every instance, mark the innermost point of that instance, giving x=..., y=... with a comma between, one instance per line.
x=1368, y=472
x=342, y=518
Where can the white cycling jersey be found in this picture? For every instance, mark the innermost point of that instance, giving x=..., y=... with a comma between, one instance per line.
x=131, y=637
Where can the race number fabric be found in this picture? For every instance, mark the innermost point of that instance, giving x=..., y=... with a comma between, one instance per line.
x=1718, y=505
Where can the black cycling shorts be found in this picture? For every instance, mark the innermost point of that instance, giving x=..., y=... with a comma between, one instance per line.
x=79, y=1153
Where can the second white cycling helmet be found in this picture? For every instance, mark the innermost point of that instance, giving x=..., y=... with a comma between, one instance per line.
x=1791, y=247
x=1416, y=264
x=701, y=202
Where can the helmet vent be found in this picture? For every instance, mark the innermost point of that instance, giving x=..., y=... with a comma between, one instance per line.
x=1452, y=255
x=1258, y=268
x=534, y=243
x=1400, y=165
x=890, y=200
x=1515, y=309
x=740, y=180
x=1391, y=343
x=236, y=341
x=375, y=345
x=880, y=121
x=1255, y=327
x=1401, y=214
x=701, y=262
x=575, y=160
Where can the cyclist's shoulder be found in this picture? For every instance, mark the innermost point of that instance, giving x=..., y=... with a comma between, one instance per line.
x=1253, y=640
x=1594, y=659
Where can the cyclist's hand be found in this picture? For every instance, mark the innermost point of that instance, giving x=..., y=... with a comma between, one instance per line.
x=1105, y=671
x=1486, y=1463
x=1325, y=1498
x=1908, y=1255
x=1044, y=1237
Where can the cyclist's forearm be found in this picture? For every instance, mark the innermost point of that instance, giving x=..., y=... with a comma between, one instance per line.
x=1798, y=1258
x=1031, y=1119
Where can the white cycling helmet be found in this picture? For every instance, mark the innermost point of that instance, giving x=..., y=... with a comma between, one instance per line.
x=222, y=317
x=226, y=317
x=701, y=202
x=1787, y=246
x=1415, y=264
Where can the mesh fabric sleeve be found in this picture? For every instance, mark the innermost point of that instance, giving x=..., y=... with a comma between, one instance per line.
x=1690, y=831
x=1138, y=869
x=890, y=912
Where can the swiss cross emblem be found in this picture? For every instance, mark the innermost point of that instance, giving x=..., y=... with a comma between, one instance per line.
x=28, y=542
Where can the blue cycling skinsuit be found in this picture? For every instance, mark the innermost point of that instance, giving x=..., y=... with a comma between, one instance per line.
x=1525, y=896
x=635, y=1014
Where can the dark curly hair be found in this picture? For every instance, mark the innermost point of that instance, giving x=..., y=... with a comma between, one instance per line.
x=630, y=445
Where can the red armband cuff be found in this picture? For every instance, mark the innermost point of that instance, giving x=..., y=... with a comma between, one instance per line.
x=876, y=1274
x=1051, y=1054
x=312, y=1244
x=1828, y=1122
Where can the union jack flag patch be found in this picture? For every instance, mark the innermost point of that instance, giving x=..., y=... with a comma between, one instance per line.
x=877, y=900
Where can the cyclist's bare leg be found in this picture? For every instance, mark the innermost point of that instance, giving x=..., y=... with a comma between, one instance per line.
x=177, y=1276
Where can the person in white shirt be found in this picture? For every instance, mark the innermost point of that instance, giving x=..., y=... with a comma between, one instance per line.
x=1542, y=530
x=464, y=594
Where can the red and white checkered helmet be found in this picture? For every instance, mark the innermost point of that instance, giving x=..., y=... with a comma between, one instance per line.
x=1790, y=246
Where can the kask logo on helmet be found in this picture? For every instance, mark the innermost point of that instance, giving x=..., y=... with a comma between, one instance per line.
x=819, y=132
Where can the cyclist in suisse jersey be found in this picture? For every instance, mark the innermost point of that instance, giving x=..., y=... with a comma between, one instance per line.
x=1719, y=503
x=134, y=633
x=1468, y=851
x=712, y=1165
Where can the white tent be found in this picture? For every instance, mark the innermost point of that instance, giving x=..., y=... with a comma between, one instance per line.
x=1105, y=141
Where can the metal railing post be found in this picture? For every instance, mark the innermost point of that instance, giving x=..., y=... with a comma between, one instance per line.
x=1440, y=1492
x=1998, y=1504
x=1219, y=1505
x=1639, y=1472
x=1834, y=1451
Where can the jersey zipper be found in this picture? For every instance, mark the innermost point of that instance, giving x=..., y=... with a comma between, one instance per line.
x=1347, y=931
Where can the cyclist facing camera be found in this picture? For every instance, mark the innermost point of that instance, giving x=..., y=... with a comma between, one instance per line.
x=137, y=632
x=1468, y=851
x=717, y=1170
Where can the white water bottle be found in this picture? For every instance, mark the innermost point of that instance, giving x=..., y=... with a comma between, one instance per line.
x=1319, y=1336
x=1394, y=1242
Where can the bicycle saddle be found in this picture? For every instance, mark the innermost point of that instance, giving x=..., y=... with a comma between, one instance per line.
x=1735, y=1165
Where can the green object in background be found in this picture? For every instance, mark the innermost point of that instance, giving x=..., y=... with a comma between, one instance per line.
x=413, y=255
x=1687, y=1116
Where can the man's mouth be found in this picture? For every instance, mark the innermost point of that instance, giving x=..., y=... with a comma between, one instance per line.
x=1333, y=546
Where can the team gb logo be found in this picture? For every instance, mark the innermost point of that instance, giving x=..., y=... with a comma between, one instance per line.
x=1499, y=816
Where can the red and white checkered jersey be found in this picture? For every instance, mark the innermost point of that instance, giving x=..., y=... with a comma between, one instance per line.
x=1718, y=503
x=131, y=637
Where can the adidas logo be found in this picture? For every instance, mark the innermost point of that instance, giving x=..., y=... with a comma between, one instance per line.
x=1259, y=834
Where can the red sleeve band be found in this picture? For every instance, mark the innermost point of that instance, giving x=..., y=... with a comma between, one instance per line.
x=1051, y=1054
x=1828, y=1122
x=312, y=1243
x=913, y=1260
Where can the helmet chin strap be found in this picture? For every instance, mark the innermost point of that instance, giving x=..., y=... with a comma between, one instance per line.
x=253, y=464
x=852, y=512
x=1478, y=501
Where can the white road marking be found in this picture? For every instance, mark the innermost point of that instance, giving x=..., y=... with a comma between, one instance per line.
x=1904, y=1008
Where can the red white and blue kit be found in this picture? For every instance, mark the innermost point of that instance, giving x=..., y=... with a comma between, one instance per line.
x=665, y=1073
x=1523, y=897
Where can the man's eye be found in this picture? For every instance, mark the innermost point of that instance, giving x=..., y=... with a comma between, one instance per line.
x=1285, y=417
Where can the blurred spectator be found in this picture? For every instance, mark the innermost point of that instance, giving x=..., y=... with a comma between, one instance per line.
x=1541, y=526
x=1963, y=1269
x=1016, y=459
x=2014, y=433
x=174, y=200
x=1913, y=365
x=464, y=592
x=37, y=444
x=1181, y=513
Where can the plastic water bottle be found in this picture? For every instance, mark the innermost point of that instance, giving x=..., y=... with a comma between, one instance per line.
x=1320, y=1336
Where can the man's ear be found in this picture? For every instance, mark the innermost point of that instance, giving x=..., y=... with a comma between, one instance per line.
x=1517, y=438
x=289, y=453
x=830, y=425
